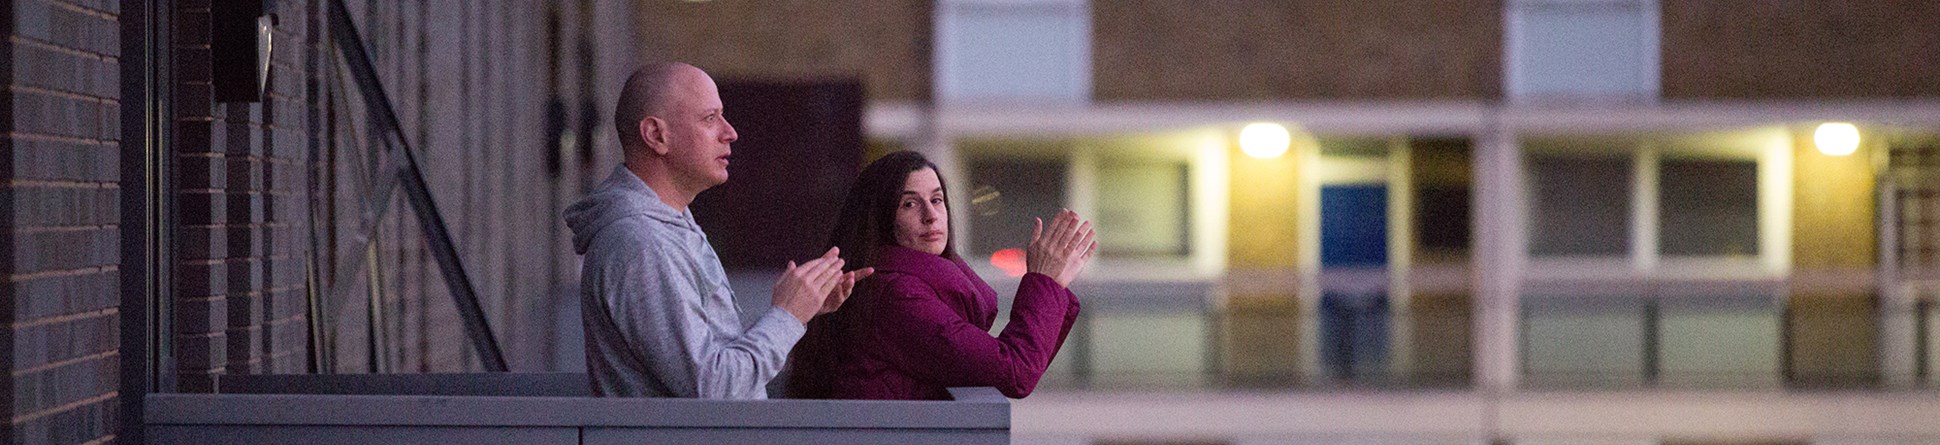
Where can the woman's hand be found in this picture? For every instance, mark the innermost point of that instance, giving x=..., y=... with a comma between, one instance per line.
x=1061, y=251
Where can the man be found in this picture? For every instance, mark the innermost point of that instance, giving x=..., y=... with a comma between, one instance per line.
x=660, y=319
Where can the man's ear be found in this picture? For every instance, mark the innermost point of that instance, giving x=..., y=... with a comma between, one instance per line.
x=654, y=132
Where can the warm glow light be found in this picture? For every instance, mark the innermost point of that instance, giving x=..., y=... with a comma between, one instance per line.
x=1011, y=261
x=1263, y=140
x=1836, y=138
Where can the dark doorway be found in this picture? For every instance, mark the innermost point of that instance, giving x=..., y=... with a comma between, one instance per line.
x=800, y=147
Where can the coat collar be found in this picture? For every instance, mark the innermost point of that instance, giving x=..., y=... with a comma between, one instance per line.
x=942, y=274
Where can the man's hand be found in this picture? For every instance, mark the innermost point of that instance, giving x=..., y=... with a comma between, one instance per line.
x=804, y=289
x=843, y=288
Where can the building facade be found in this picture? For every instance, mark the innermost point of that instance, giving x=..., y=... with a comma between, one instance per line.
x=1522, y=221
x=1511, y=219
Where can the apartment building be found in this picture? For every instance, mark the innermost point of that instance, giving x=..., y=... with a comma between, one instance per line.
x=1391, y=221
x=1542, y=221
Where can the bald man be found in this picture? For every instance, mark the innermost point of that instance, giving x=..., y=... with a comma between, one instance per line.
x=660, y=319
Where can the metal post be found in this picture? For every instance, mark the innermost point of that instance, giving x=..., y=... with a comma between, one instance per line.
x=147, y=357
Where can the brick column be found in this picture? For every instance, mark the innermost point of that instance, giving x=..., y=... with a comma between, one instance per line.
x=60, y=223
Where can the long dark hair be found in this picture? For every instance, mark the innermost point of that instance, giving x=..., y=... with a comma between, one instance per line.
x=868, y=220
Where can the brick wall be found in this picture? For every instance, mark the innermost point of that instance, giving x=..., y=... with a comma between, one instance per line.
x=1158, y=50
x=1801, y=49
x=1272, y=50
x=241, y=179
x=270, y=190
x=61, y=180
x=883, y=42
x=269, y=197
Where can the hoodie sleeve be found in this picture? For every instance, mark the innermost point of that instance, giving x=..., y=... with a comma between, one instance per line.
x=936, y=344
x=664, y=304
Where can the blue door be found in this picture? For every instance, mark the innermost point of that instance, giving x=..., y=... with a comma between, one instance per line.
x=1354, y=320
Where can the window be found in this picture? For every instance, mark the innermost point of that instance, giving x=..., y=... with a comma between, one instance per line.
x=1580, y=205
x=1582, y=48
x=1138, y=191
x=1142, y=208
x=1710, y=207
x=1593, y=342
x=1036, y=50
x=1006, y=194
x=1440, y=167
x=1648, y=198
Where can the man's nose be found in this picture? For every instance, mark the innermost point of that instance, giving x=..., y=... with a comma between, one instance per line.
x=730, y=136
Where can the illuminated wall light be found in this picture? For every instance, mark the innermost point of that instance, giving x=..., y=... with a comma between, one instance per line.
x=1836, y=138
x=1011, y=261
x=1264, y=140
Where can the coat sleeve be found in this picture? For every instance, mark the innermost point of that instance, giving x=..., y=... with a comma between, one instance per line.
x=663, y=310
x=935, y=344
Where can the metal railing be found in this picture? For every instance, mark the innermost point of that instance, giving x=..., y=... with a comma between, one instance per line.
x=403, y=171
x=1665, y=343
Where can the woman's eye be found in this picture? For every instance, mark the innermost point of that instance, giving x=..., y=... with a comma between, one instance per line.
x=936, y=201
x=909, y=204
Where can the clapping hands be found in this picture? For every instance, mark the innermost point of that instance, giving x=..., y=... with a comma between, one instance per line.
x=817, y=287
x=1062, y=250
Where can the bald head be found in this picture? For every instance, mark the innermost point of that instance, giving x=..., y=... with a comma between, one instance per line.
x=674, y=131
x=647, y=93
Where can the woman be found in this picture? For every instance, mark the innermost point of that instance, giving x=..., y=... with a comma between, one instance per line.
x=921, y=324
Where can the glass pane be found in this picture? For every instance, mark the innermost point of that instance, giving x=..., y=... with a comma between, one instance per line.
x=1728, y=342
x=1710, y=207
x=1142, y=209
x=1575, y=341
x=1582, y=49
x=1144, y=350
x=1354, y=335
x=1580, y=206
x=1017, y=50
x=1005, y=195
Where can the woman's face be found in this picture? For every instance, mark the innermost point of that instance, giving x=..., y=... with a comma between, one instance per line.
x=923, y=213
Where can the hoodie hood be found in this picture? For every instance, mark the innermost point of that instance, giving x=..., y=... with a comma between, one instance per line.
x=622, y=195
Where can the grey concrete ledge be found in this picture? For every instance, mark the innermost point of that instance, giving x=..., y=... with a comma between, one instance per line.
x=496, y=411
x=481, y=409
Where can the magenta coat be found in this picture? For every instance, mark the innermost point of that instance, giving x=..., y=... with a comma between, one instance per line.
x=922, y=324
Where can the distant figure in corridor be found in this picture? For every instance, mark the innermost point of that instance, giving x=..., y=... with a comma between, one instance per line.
x=922, y=323
x=660, y=319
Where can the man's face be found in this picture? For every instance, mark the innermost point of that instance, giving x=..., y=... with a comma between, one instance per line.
x=698, y=134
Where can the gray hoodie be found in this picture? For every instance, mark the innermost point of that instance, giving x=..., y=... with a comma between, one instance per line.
x=660, y=319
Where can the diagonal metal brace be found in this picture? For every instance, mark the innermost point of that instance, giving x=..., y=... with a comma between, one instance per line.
x=411, y=179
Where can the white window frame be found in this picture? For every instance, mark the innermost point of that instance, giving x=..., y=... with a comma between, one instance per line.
x=1645, y=258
